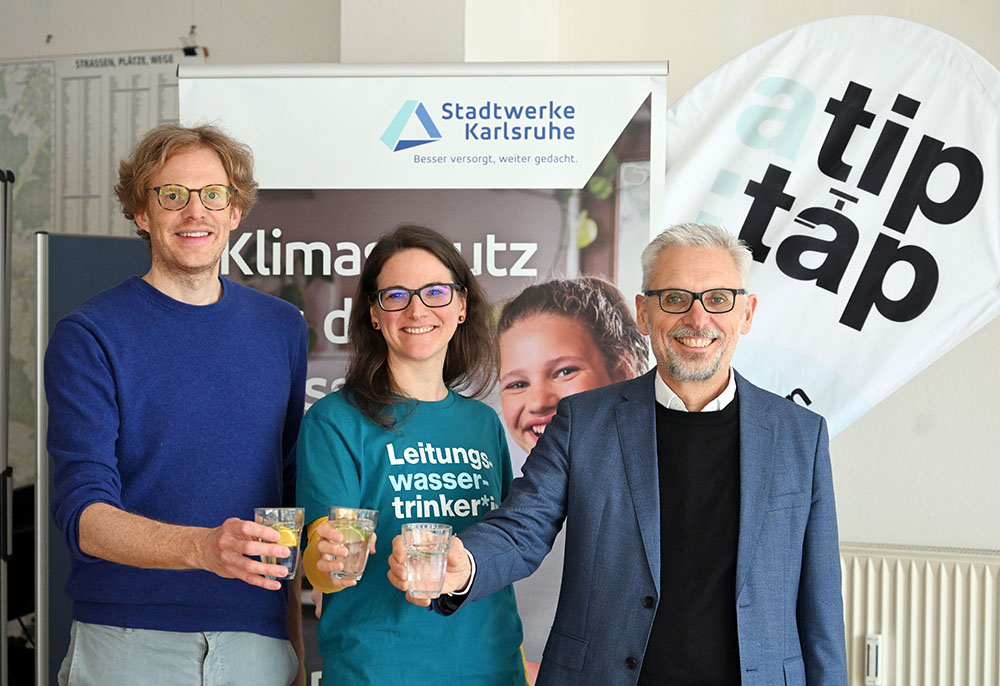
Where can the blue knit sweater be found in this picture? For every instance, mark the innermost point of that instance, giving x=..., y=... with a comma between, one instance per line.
x=180, y=413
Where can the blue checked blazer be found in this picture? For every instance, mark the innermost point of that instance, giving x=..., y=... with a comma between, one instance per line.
x=595, y=468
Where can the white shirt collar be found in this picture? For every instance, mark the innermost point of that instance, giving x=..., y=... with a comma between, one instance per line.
x=670, y=400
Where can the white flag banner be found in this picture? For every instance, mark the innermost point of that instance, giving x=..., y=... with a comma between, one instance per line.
x=858, y=157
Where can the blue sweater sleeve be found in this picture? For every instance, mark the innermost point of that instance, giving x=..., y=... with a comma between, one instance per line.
x=293, y=417
x=83, y=426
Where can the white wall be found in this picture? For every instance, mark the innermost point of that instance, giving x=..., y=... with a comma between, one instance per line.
x=514, y=30
x=696, y=37
x=234, y=31
x=922, y=468
x=402, y=31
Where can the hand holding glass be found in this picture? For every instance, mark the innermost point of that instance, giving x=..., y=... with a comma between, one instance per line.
x=288, y=522
x=426, y=557
x=356, y=525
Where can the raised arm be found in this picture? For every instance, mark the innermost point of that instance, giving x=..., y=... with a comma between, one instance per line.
x=87, y=503
x=111, y=534
x=512, y=540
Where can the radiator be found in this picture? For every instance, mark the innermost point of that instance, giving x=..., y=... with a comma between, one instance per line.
x=937, y=610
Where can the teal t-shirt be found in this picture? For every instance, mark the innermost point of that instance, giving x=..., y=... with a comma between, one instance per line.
x=446, y=462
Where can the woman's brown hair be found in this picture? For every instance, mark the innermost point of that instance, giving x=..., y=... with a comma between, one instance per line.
x=470, y=364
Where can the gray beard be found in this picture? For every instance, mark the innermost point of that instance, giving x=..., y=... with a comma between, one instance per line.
x=687, y=370
x=682, y=370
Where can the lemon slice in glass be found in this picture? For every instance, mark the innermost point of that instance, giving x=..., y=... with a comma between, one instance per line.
x=351, y=533
x=286, y=536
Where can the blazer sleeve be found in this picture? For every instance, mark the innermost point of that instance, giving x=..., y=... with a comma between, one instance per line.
x=512, y=540
x=820, y=609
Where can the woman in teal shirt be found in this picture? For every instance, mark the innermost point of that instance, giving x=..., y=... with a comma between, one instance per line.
x=399, y=438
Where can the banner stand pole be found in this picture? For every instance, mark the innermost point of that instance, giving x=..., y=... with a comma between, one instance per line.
x=6, y=473
x=41, y=464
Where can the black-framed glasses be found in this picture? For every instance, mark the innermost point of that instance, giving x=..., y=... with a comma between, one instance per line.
x=679, y=301
x=397, y=298
x=174, y=196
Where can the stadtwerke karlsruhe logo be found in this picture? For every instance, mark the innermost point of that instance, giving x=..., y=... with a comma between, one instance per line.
x=393, y=134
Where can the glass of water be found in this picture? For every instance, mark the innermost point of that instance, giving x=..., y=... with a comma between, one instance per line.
x=426, y=557
x=288, y=522
x=356, y=525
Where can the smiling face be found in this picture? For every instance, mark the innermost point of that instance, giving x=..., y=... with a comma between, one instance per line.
x=188, y=242
x=418, y=336
x=694, y=349
x=545, y=357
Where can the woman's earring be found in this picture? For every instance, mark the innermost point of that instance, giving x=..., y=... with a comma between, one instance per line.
x=375, y=325
x=461, y=318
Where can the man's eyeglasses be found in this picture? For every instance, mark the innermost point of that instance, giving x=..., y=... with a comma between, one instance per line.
x=679, y=301
x=398, y=298
x=175, y=197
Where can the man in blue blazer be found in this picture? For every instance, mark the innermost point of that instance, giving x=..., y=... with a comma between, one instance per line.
x=701, y=534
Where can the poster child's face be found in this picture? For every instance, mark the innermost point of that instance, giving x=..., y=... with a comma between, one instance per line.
x=544, y=357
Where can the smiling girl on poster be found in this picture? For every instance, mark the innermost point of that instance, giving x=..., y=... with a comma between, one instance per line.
x=558, y=338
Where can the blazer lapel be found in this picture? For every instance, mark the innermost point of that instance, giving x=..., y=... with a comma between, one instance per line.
x=756, y=460
x=636, y=419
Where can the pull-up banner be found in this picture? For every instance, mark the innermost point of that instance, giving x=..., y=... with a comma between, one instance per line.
x=534, y=171
x=859, y=158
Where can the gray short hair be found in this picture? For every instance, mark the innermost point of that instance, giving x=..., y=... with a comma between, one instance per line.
x=702, y=236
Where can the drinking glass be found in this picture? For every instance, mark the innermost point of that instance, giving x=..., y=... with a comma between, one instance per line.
x=288, y=522
x=356, y=525
x=426, y=557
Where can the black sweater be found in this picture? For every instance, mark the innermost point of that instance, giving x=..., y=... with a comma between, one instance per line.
x=694, y=639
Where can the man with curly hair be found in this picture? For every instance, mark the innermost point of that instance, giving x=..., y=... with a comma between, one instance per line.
x=174, y=404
